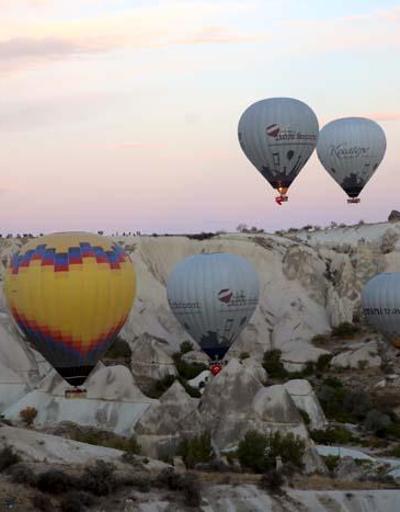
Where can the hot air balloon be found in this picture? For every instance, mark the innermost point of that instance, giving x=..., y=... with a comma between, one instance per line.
x=351, y=149
x=380, y=299
x=213, y=296
x=278, y=136
x=70, y=294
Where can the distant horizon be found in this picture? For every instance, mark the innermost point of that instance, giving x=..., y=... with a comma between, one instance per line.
x=122, y=114
x=137, y=232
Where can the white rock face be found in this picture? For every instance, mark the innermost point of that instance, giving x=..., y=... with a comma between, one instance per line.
x=309, y=283
x=150, y=358
x=113, y=402
x=364, y=356
x=303, y=396
x=226, y=403
x=163, y=425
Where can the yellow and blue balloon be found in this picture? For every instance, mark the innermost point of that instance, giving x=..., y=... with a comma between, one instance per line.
x=70, y=294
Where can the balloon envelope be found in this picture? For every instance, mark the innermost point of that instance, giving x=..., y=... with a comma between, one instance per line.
x=380, y=299
x=213, y=296
x=351, y=149
x=70, y=294
x=278, y=136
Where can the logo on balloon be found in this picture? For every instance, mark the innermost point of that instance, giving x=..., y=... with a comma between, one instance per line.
x=225, y=295
x=273, y=130
x=280, y=133
x=341, y=151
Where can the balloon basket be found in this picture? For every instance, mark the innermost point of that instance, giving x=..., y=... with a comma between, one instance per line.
x=215, y=368
x=281, y=199
x=353, y=200
x=75, y=393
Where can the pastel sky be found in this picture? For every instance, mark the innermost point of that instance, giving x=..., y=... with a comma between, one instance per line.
x=122, y=114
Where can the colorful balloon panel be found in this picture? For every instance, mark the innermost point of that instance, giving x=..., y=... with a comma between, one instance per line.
x=70, y=294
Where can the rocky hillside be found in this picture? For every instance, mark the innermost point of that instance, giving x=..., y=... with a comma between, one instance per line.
x=310, y=286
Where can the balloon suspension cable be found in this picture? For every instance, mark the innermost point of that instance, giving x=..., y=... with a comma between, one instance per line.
x=215, y=368
x=281, y=199
x=353, y=200
x=75, y=393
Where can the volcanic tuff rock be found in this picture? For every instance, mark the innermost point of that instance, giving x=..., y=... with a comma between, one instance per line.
x=163, y=425
x=150, y=360
x=309, y=281
x=364, y=355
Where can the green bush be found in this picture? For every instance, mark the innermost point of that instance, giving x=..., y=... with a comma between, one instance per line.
x=323, y=362
x=304, y=414
x=185, y=347
x=332, y=435
x=377, y=422
x=244, y=355
x=76, y=501
x=55, y=481
x=23, y=474
x=108, y=439
x=8, y=457
x=273, y=365
x=99, y=479
x=345, y=330
x=161, y=386
x=320, y=339
x=119, y=349
x=188, y=371
x=258, y=452
x=331, y=462
x=196, y=450
x=272, y=481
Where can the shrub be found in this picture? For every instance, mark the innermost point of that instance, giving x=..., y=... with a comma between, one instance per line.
x=99, y=479
x=191, y=490
x=55, y=481
x=42, y=503
x=331, y=462
x=28, y=415
x=161, y=386
x=304, y=414
x=345, y=330
x=188, y=371
x=258, y=452
x=196, y=450
x=186, y=346
x=119, y=349
x=273, y=365
x=108, y=439
x=8, y=457
x=272, y=481
x=323, y=362
x=332, y=435
x=377, y=422
x=23, y=474
x=244, y=355
x=142, y=484
x=76, y=501
x=188, y=484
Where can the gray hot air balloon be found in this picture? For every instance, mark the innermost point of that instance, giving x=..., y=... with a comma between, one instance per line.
x=213, y=296
x=381, y=305
x=278, y=136
x=351, y=149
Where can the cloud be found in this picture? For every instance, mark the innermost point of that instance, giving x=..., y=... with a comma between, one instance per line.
x=159, y=25
x=23, y=48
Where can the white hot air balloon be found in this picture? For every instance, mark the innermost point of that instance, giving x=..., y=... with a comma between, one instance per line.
x=213, y=296
x=351, y=149
x=278, y=136
x=380, y=299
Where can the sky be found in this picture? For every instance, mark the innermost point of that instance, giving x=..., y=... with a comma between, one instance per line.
x=121, y=115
